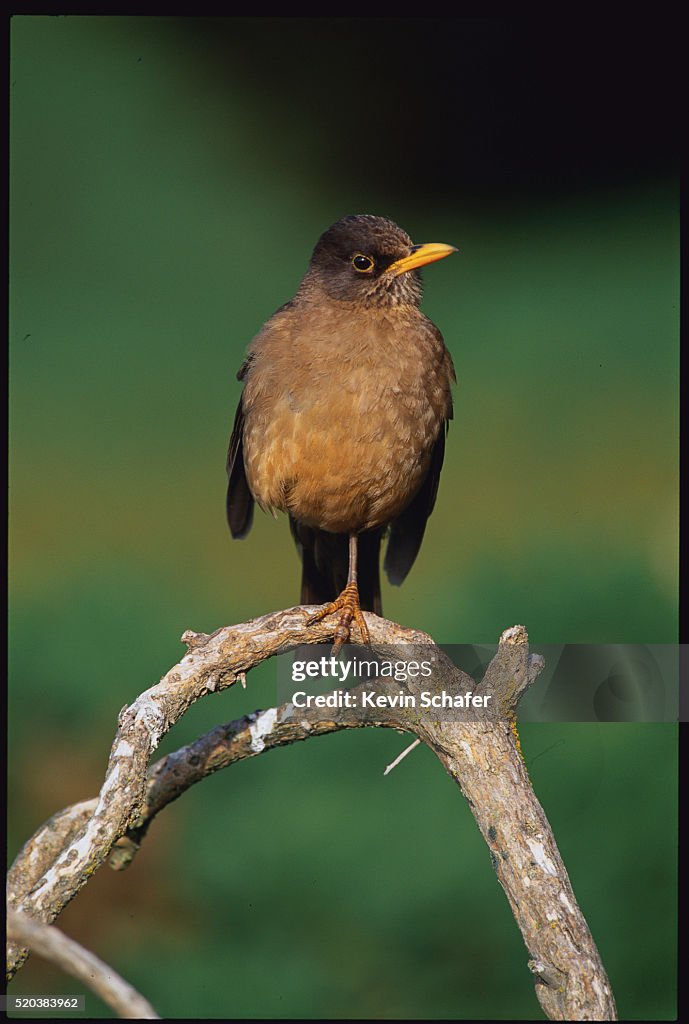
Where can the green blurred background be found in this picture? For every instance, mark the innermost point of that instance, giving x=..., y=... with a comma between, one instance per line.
x=169, y=177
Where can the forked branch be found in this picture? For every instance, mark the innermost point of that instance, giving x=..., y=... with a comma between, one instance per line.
x=482, y=756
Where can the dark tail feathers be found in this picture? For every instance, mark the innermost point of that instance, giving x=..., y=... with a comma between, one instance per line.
x=325, y=564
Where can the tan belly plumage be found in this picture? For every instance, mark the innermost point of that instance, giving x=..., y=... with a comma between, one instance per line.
x=347, y=445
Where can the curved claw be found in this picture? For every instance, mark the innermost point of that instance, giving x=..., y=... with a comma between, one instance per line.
x=348, y=605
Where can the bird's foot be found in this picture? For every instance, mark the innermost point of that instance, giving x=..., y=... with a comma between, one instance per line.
x=350, y=610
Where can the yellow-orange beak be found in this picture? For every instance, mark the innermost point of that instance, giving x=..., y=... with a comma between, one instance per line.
x=420, y=256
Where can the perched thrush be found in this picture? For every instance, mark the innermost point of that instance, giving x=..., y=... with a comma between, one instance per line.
x=342, y=420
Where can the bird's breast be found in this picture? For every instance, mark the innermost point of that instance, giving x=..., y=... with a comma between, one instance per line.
x=340, y=423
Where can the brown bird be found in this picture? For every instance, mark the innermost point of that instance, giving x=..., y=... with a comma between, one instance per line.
x=343, y=416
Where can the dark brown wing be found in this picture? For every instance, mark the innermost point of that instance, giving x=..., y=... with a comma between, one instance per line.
x=325, y=564
x=406, y=532
x=240, y=501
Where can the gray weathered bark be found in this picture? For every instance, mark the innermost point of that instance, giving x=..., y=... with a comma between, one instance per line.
x=482, y=756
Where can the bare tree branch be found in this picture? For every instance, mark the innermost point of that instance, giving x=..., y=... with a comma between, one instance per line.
x=44, y=847
x=53, y=945
x=482, y=756
x=212, y=663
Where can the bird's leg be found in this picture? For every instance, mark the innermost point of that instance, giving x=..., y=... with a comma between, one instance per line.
x=347, y=604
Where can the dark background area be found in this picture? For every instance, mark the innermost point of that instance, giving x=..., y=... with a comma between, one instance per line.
x=494, y=107
x=169, y=177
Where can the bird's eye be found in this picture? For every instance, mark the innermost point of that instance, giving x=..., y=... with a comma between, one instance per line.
x=364, y=264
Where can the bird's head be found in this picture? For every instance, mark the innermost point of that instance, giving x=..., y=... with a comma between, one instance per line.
x=370, y=260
